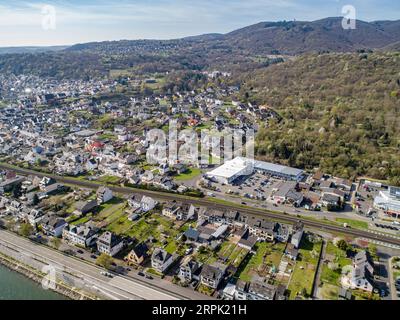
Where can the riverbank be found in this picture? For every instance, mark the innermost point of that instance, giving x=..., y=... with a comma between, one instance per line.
x=37, y=277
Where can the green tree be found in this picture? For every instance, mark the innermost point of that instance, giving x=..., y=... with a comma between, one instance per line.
x=17, y=191
x=56, y=242
x=35, y=199
x=343, y=245
x=26, y=230
x=105, y=261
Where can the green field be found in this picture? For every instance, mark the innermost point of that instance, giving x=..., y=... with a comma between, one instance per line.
x=109, y=179
x=188, y=175
x=353, y=223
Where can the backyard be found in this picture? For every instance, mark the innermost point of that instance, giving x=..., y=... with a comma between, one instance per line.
x=267, y=254
x=304, y=272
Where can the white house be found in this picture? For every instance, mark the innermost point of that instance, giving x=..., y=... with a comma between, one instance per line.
x=161, y=260
x=104, y=195
x=142, y=203
x=109, y=243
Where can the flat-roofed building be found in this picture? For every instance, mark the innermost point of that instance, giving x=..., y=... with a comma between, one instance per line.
x=240, y=166
x=389, y=201
x=232, y=170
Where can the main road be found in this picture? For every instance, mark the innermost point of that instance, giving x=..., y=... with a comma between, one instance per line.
x=164, y=196
x=119, y=287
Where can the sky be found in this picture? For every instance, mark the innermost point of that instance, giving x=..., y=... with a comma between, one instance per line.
x=63, y=22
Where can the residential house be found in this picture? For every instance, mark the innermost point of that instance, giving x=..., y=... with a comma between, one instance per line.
x=83, y=235
x=52, y=225
x=186, y=212
x=170, y=209
x=104, y=195
x=189, y=270
x=161, y=260
x=330, y=200
x=53, y=189
x=109, y=243
x=9, y=184
x=45, y=182
x=255, y=290
x=287, y=193
x=138, y=255
x=297, y=234
x=362, y=273
x=83, y=207
x=212, y=275
x=263, y=230
x=142, y=203
x=34, y=216
x=247, y=241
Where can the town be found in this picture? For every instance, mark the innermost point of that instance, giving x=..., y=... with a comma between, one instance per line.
x=75, y=178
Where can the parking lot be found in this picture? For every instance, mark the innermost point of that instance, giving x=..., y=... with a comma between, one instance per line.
x=254, y=187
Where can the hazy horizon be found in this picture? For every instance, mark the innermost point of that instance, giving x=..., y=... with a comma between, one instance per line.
x=72, y=22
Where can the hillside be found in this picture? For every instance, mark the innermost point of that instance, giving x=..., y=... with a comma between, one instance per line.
x=341, y=112
x=300, y=37
x=244, y=49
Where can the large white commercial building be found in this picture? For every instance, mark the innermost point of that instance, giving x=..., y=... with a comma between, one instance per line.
x=232, y=170
x=240, y=166
x=389, y=201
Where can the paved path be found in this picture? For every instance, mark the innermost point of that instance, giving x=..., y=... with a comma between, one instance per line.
x=317, y=278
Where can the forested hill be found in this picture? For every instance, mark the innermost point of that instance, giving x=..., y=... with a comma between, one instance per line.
x=243, y=49
x=341, y=113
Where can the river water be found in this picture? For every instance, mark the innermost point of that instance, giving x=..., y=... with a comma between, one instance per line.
x=14, y=286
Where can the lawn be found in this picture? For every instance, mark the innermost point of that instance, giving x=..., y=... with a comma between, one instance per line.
x=353, y=223
x=333, y=276
x=188, y=175
x=109, y=179
x=231, y=254
x=206, y=257
x=155, y=226
x=267, y=254
x=305, y=269
x=107, y=136
x=107, y=209
x=81, y=220
x=329, y=292
x=120, y=225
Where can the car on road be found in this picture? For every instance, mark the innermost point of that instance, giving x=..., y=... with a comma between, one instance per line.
x=80, y=251
x=106, y=274
x=140, y=273
x=93, y=256
x=147, y=276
